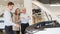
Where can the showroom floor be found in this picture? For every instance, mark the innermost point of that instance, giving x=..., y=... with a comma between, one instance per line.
x=1, y=32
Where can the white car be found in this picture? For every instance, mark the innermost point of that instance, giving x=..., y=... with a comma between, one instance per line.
x=46, y=27
x=2, y=26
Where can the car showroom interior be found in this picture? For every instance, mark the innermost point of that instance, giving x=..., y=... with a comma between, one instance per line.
x=29, y=16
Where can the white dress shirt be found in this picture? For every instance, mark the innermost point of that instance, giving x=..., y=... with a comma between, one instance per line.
x=24, y=18
x=7, y=18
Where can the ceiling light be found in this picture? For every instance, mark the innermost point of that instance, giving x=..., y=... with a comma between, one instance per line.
x=55, y=5
x=5, y=0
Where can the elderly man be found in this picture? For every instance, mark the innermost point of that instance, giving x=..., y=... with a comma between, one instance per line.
x=24, y=20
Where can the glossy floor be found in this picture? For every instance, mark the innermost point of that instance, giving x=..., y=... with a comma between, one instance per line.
x=1, y=32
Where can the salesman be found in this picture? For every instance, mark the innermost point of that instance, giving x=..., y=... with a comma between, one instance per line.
x=24, y=20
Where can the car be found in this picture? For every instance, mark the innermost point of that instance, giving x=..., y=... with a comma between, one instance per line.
x=2, y=26
x=49, y=26
x=46, y=27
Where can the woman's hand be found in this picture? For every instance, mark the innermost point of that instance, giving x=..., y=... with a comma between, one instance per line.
x=17, y=25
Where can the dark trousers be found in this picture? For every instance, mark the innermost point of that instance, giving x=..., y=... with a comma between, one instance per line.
x=23, y=27
x=8, y=30
x=16, y=32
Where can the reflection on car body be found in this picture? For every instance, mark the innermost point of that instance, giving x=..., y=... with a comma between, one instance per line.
x=41, y=26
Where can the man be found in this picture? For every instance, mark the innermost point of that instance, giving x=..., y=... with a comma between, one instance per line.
x=7, y=18
x=24, y=20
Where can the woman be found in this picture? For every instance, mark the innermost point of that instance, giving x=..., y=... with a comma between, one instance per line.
x=16, y=20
